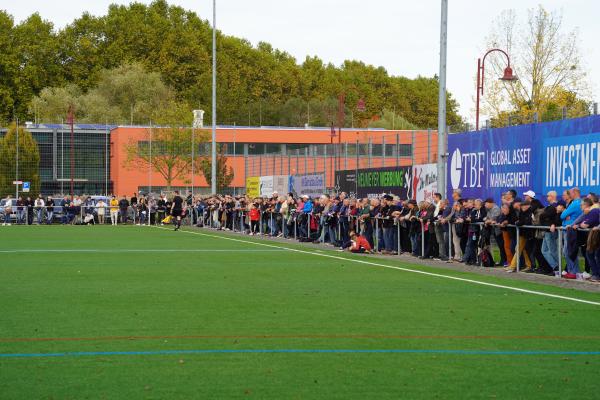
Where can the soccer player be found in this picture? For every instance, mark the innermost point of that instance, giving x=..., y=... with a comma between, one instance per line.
x=177, y=209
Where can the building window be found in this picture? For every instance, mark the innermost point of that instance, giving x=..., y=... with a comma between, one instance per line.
x=405, y=150
x=376, y=150
x=363, y=149
x=230, y=150
x=297, y=149
x=272, y=148
x=256, y=149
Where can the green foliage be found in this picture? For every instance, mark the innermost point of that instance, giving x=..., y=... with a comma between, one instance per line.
x=8, y=67
x=28, y=157
x=574, y=106
x=126, y=94
x=256, y=85
x=38, y=59
x=170, y=151
x=224, y=174
x=390, y=120
x=53, y=103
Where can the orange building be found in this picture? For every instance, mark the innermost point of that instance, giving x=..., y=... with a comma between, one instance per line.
x=260, y=151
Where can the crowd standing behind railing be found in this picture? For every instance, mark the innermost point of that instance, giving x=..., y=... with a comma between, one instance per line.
x=531, y=237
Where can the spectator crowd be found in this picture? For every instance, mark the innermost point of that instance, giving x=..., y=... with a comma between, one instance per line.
x=525, y=229
x=528, y=232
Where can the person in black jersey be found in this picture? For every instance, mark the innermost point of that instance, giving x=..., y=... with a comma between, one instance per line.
x=177, y=209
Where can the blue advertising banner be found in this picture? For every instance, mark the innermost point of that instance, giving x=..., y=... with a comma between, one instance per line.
x=540, y=157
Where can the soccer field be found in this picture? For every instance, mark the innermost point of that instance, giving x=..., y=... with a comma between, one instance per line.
x=138, y=312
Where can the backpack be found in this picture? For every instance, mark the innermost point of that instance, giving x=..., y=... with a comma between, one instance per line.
x=485, y=258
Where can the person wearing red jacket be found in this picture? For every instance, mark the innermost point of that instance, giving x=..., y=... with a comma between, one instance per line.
x=254, y=218
x=357, y=244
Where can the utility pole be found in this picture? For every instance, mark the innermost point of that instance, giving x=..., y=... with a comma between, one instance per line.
x=442, y=144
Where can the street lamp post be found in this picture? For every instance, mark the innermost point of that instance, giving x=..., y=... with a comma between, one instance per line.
x=508, y=77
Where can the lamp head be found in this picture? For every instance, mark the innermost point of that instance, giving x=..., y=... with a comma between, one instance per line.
x=508, y=75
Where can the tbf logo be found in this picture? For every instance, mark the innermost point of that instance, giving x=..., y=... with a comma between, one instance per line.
x=467, y=170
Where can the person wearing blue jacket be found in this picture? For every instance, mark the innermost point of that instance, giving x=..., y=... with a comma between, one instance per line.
x=568, y=217
x=304, y=217
x=308, y=205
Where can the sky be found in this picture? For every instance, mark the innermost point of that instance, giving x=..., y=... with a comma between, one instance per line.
x=400, y=35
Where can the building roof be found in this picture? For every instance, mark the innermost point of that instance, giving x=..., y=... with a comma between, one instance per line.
x=87, y=127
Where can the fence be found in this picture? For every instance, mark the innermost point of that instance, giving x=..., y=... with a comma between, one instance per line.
x=91, y=159
x=512, y=119
x=293, y=225
x=356, y=150
x=316, y=228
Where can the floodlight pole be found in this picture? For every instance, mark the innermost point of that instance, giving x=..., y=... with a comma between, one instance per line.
x=213, y=171
x=234, y=127
x=17, y=162
x=441, y=134
x=193, y=156
x=70, y=119
x=150, y=163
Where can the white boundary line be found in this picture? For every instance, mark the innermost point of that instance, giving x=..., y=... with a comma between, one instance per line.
x=142, y=250
x=556, y=296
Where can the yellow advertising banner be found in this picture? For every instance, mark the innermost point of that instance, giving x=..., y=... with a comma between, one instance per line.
x=253, y=186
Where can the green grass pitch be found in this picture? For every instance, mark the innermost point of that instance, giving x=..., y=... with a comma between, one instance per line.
x=147, y=313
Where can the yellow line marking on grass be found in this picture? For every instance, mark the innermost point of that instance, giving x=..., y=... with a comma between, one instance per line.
x=535, y=292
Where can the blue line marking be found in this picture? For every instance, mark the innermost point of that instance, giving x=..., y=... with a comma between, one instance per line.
x=304, y=351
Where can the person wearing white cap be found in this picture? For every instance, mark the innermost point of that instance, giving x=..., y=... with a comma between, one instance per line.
x=550, y=217
x=530, y=194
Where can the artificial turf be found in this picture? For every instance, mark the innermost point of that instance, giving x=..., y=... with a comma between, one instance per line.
x=202, y=316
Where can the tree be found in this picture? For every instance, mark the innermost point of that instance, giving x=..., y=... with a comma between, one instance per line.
x=127, y=94
x=546, y=60
x=166, y=148
x=224, y=173
x=36, y=47
x=137, y=52
x=53, y=103
x=391, y=120
x=8, y=67
x=28, y=158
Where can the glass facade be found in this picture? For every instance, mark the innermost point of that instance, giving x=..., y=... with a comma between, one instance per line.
x=297, y=149
x=91, y=159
